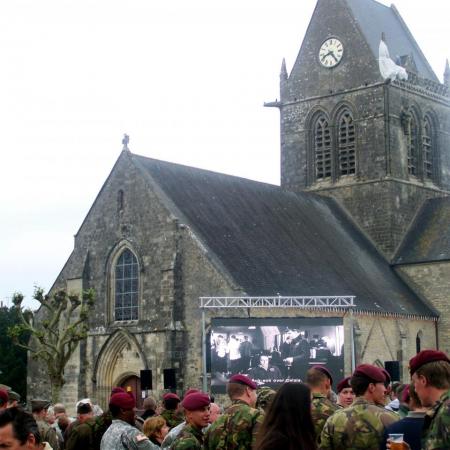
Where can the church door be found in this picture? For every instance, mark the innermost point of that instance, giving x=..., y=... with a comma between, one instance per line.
x=133, y=383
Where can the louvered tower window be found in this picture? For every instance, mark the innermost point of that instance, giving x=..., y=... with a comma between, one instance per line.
x=126, y=287
x=427, y=148
x=322, y=148
x=412, y=145
x=347, y=144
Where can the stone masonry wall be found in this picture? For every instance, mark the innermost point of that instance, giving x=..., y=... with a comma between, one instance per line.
x=383, y=209
x=432, y=281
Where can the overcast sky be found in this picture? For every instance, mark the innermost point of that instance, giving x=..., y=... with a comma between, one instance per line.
x=185, y=79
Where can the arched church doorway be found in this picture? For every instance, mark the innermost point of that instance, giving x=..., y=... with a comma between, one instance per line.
x=133, y=384
x=119, y=362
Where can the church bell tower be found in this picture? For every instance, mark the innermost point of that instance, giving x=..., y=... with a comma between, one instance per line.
x=380, y=146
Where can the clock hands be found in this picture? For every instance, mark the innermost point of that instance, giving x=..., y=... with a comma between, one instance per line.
x=330, y=53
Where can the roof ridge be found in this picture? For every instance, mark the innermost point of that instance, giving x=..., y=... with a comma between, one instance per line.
x=209, y=171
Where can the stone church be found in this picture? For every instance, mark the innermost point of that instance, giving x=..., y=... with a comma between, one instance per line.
x=362, y=211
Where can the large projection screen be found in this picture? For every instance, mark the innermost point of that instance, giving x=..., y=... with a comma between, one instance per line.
x=273, y=351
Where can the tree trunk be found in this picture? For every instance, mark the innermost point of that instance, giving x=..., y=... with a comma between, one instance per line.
x=56, y=387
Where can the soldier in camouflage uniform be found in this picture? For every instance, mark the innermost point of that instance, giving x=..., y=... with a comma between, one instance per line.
x=345, y=393
x=171, y=413
x=48, y=434
x=361, y=425
x=122, y=435
x=174, y=432
x=430, y=371
x=264, y=397
x=237, y=428
x=196, y=407
x=319, y=380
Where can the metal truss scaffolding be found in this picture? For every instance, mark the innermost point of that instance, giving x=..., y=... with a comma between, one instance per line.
x=313, y=302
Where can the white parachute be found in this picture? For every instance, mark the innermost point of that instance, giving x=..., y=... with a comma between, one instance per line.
x=388, y=68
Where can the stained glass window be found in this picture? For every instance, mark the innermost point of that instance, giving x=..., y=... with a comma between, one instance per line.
x=126, y=287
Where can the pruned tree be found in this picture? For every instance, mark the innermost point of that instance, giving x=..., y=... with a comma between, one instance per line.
x=61, y=324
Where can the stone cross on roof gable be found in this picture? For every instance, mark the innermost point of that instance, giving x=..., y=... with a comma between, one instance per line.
x=125, y=141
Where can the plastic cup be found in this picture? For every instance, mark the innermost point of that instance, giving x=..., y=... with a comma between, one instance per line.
x=396, y=441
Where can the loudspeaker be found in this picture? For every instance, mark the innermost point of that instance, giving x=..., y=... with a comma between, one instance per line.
x=169, y=379
x=393, y=368
x=146, y=380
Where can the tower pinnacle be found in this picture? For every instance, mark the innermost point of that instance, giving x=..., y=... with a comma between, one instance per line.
x=447, y=74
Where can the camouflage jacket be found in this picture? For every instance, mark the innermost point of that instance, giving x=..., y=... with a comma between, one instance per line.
x=48, y=434
x=172, y=418
x=236, y=429
x=437, y=425
x=358, y=427
x=321, y=409
x=121, y=435
x=172, y=435
x=190, y=438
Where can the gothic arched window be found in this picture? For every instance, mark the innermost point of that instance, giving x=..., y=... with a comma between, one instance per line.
x=126, y=287
x=427, y=148
x=346, y=144
x=412, y=144
x=322, y=148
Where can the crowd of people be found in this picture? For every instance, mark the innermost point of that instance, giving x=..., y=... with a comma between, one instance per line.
x=365, y=412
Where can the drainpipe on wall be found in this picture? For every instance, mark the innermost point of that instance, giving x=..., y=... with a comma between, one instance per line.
x=437, y=333
x=353, y=348
x=205, y=379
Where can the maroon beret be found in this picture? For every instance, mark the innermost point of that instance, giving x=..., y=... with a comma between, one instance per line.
x=124, y=400
x=190, y=391
x=195, y=400
x=325, y=371
x=4, y=396
x=424, y=357
x=242, y=379
x=373, y=373
x=405, y=394
x=344, y=384
x=170, y=395
x=116, y=390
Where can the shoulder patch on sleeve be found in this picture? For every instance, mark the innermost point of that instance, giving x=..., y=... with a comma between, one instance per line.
x=141, y=437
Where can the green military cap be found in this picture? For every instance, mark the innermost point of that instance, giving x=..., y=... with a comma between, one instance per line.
x=13, y=396
x=5, y=387
x=39, y=404
x=264, y=396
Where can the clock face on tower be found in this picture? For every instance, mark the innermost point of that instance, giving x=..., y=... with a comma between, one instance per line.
x=331, y=52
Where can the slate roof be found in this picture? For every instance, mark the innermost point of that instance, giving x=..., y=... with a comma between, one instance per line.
x=374, y=18
x=428, y=239
x=275, y=242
